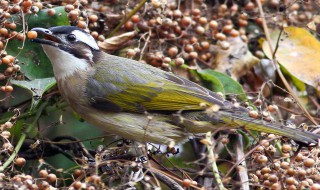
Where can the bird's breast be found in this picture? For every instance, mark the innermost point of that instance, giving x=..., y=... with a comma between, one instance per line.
x=72, y=88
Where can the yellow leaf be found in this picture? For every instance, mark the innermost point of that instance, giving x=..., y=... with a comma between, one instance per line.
x=298, y=52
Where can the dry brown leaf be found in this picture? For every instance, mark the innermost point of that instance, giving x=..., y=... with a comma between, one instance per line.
x=315, y=23
x=299, y=53
x=115, y=42
x=235, y=61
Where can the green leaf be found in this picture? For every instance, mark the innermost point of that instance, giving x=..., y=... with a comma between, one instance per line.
x=225, y=83
x=210, y=81
x=37, y=87
x=246, y=139
x=36, y=64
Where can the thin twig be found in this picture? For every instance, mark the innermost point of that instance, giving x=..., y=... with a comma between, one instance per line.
x=126, y=18
x=212, y=159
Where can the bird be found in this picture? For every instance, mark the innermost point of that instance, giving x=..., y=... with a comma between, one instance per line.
x=140, y=102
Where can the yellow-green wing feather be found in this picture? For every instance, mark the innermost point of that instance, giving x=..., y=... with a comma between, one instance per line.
x=134, y=86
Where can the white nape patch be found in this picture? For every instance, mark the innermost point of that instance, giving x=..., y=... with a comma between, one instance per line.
x=85, y=38
x=64, y=64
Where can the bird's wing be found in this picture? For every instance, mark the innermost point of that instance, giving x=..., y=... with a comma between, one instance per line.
x=120, y=84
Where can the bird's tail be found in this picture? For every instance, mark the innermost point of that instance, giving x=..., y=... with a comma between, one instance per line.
x=196, y=122
x=260, y=125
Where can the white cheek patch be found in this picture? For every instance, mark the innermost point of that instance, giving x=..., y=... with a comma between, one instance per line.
x=85, y=38
x=64, y=64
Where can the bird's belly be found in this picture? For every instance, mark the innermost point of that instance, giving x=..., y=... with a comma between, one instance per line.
x=138, y=127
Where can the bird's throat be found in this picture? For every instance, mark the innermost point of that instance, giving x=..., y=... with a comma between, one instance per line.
x=64, y=64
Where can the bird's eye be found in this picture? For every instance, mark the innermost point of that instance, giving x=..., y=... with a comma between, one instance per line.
x=71, y=37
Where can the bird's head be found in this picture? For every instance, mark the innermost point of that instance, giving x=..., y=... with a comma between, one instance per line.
x=70, y=49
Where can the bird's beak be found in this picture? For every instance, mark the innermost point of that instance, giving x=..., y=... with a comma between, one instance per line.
x=48, y=37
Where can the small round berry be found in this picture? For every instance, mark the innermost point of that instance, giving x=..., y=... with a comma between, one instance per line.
x=223, y=8
x=243, y=23
x=20, y=36
x=4, y=32
x=131, y=53
x=8, y=124
x=249, y=6
x=290, y=181
x=179, y=61
x=77, y=173
x=193, y=55
x=82, y=24
x=11, y=58
x=93, y=18
x=272, y=108
x=220, y=36
x=177, y=13
x=291, y=171
x=135, y=18
x=254, y=114
x=43, y=173
x=203, y=20
x=8, y=146
x=200, y=30
x=234, y=8
x=273, y=178
x=262, y=159
x=77, y=185
x=20, y=162
x=16, y=9
x=129, y=25
x=68, y=8
x=8, y=71
x=193, y=40
x=38, y=4
x=188, y=48
x=265, y=170
x=5, y=60
x=309, y=162
x=6, y=134
x=73, y=15
x=173, y=51
x=258, y=102
x=7, y=15
x=94, y=34
x=12, y=26
x=275, y=186
x=274, y=3
x=51, y=12
x=302, y=173
x=186, y=182
x=32, y=34
x=234, y=33
x=286, y=148
x=213, y=24
x=227, y=29
x=51, y=178
x=266, y=183
x=185, y=22
x=284, y=165
x=196, y=12
x=205, y=45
